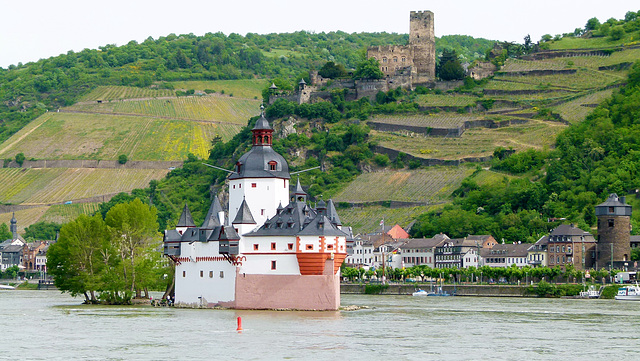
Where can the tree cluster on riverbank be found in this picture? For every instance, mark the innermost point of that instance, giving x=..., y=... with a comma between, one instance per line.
x=110, y=259
x=484, y=274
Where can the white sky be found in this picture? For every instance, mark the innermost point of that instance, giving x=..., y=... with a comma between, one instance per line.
x=34, y=29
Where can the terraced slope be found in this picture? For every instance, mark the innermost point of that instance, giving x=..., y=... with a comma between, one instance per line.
x=47, y=186
x=477, y=142
x=217, y=109
x=431, y=185
x=97, y=136
x=367, y=219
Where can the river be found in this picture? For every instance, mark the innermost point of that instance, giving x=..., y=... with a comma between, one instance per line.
x=47, y=325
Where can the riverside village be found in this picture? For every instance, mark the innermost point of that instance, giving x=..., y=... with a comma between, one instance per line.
x=270, y=241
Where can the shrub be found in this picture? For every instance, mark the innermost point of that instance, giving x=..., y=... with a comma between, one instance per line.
x=20, y=158
x=122, y=158
x=374, y=289
x=381, y=160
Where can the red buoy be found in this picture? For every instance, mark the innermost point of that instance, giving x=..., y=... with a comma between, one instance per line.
x=239, y=329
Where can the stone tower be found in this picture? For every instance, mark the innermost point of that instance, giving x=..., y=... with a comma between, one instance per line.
x=423, y=43
x=14, y=226
x=614, y=232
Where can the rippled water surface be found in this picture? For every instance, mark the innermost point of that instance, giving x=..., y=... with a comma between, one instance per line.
x=45, y=325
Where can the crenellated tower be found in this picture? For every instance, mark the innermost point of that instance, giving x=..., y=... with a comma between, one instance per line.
x=423, y=43
x=614, y=232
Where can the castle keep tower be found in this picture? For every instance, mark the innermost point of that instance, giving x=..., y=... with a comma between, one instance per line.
x=614, y=232
x=423, y=43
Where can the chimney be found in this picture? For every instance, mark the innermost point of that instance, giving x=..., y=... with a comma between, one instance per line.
x=623, y=199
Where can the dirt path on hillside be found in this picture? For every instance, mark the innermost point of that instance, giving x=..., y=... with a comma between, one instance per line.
x=166, y=98
x=203, y=121
x=21, y=137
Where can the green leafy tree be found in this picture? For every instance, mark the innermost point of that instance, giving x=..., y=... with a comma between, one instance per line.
x=42, y=231
x=592, y=24
x=133, y=227
x=4, y=232
x=20, y=158
x=122, y=158
x=78, y=259
x=449, y=67
x=368, y=69
x=616, y=33
x=332, y=70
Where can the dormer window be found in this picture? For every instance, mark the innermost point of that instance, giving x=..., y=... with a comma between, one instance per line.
x=273, y=165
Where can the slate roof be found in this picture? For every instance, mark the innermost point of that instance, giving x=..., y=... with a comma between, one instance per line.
x=185, y=218
x=509, y=249
x=211, y=220
x=568, y=230
x=422, y=243
x=332, y=214
x=613, y=201
x=297, y=218
x=262, y=123
x=244, y=215
x=255, y=164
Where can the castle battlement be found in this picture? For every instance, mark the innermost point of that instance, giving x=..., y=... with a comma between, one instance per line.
x=419, y=54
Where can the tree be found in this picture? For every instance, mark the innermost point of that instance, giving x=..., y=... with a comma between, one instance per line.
x=592, y=24
x=20, y=158
x=122, y=158
x=449, y=67
x=332, y=70
x=79, y=257
x=616, y=33
x=368, y=69
x=4, y=232
x=133, y=228
x=42, y=231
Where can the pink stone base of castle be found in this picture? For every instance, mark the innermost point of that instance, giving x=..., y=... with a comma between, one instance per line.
x=295, y=292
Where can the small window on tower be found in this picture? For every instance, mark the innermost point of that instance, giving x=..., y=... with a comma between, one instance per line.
x=255, y=247
x=201, y=273
x=329, y=246
x=221, y=274
x=210, y=274
x=262, y=212
x=611, y=223
x=611, y=210
x=184, y=274
x=253, y=185
x=310, y=247
x=273, y=265
x=290, y=246
x=273, y=246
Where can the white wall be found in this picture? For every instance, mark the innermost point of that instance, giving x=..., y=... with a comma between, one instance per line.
x=192, y=288
x=263, y=200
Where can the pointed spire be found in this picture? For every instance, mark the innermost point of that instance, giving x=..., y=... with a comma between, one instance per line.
x=211, y=220
x=244, y=215
x=185, y=218
x=332, y=214
x=280, y=208
x=299, y=194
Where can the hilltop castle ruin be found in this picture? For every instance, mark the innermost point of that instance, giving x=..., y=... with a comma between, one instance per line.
x=418, y=58
x=403, y=66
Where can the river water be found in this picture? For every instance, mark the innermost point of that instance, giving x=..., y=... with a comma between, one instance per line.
x=46, y=325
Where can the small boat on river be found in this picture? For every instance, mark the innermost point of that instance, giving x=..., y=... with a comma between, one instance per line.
x=629, y=293
x=421, y=292
x=7, y=287
x=590, y=293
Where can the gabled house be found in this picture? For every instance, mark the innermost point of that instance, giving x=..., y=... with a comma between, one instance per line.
x=506, y=255
x=537, y=253
x=457, y=253
x=568, y=244
x=421, y=251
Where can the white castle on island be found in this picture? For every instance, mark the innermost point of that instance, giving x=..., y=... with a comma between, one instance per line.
x=269, y=256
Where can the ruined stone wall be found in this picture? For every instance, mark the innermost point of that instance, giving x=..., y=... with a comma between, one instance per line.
x=392, y=58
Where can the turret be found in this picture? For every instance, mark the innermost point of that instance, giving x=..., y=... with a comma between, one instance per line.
x=14, y=226
x=614, y=232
